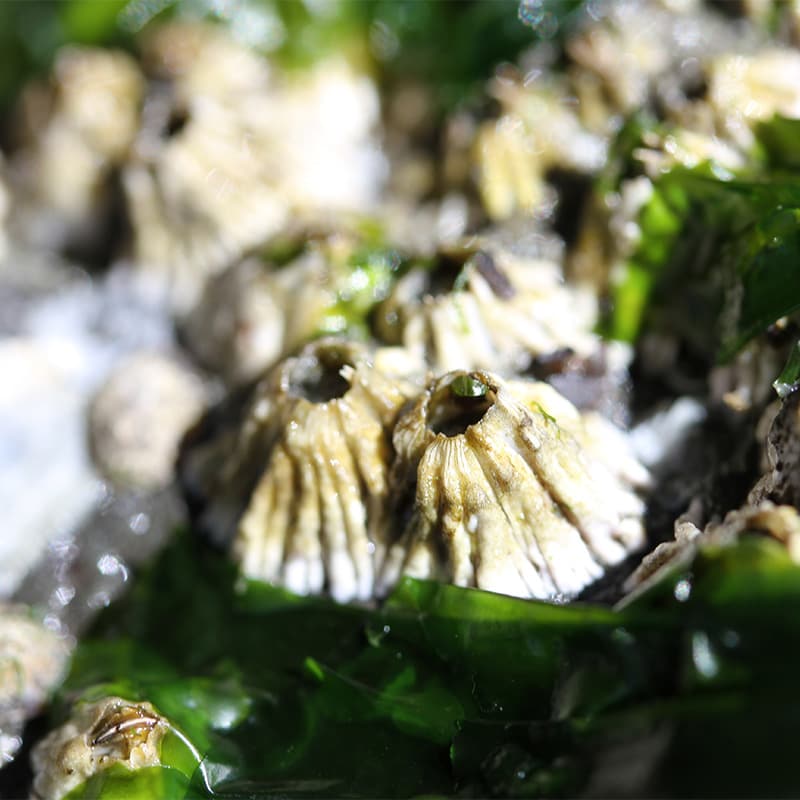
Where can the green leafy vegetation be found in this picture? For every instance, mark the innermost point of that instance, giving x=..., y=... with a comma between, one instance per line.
x=716, y=262
x=450, y=691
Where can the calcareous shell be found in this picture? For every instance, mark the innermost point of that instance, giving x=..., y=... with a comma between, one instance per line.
x=506, y=487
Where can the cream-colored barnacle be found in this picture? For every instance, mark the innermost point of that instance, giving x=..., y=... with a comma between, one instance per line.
x=312, y=458
x=538, y=130
x=746, y=89
x=81, y=128
x=233, y=148
x=32, y=662
x=510, y=489
x=260, y=311
x=487, y=308
x=97, y=736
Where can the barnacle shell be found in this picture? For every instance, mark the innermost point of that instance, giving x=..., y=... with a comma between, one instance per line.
x=89, y=121
x=301, y=488
x=32, y=661
x=138, y=417
x=780, y=522
x=234, y=149
x=745, y=89
x=256, y=313
x=510, y=489
x=487, y=308
x=97, y=736
x=537, y=131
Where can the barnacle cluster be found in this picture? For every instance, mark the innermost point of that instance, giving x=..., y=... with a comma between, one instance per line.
x=399, y=307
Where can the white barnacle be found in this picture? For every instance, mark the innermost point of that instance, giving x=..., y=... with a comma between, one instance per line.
x=484, y=307
x=510, y=489
x=32, y=662
x=257, y=312
x=97, y=736
x=79, y=131
x=231, y=149
x=538, y=130
x=746, y=89
x=301, y=487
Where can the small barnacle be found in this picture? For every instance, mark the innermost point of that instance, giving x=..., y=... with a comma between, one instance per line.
x=536, y=132
x=137, y=419
x=507, y=487
x=301, y=486
x=32, y=662
x=260, y=310
x=746, y=89
x=80, y=130
x=97, y=736
x=231, y=149
x=485, y=307
x=762, y=518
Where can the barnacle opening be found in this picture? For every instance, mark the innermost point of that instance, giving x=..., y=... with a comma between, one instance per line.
x=464, y=401
x=318, y=378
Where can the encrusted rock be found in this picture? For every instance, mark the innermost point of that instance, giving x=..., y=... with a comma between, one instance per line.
x=505, y=486
x=300, y=485
x=32, y=662
x=98, y=735
x=138, y=417
x=481, y=306
x=780, y=522
x=781, y=483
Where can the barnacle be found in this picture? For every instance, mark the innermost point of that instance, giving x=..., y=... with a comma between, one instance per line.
x=537, y=131
x=232, y=149
x=32, y=661
x=137, y=419
x=486, y=307
x=505, y=486
x=745, y=89
x=258, y=311
x=301, y=486
x=779, y=522
x=97, y=736
x=81, y=131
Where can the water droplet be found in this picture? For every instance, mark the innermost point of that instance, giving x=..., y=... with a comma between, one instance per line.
x=683, y=589
x=705, y=660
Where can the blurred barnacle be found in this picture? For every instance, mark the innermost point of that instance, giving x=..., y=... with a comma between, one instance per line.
x=77, y=132
x=507, y=487
x=96, y=737
x=261, y=310
x=138, y=417
x=538, y=130
x=627, y=49
x=230, y=149
x=478, y=305
x=32, y=662
x=746, y=89
x=299, y=485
